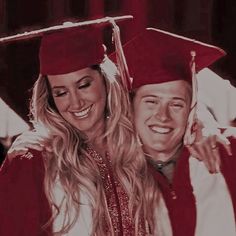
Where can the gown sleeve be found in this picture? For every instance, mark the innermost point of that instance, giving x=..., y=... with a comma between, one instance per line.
x=24, y=208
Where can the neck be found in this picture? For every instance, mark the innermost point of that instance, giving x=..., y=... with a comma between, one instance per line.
x=96, y=131
x=96, y=139
x=163, y=156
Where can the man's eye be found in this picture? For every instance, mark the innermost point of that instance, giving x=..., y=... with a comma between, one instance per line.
x=85, y=85
x=177, y=105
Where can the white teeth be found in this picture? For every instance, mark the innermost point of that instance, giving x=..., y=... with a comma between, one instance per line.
x=83, y=113
x=160, y=129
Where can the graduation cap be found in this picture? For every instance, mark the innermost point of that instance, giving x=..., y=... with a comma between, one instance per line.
x=69, y=50
x=73, y=46
x=157, y=56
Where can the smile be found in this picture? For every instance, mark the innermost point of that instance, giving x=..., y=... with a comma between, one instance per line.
x=82, y=114
x=160, y=130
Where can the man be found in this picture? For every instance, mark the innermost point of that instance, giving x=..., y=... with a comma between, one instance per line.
x=198, y=202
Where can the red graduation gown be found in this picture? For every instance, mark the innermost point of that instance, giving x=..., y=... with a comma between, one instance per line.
x=24, y=208
x=179, y=197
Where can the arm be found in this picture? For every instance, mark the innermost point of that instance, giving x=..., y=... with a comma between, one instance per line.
x=24, y=142
x=24, y=208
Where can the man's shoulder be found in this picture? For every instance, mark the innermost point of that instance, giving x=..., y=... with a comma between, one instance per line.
x=22, y=167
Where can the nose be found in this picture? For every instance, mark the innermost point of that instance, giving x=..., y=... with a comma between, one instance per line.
x=162, y=113
x=76, y=101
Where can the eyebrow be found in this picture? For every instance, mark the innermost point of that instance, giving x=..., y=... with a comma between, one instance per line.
x=77, y=82
x=178, y=98
x=155, y=96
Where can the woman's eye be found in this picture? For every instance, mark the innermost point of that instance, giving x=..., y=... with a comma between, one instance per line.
x=151, y=101
x=59, y=94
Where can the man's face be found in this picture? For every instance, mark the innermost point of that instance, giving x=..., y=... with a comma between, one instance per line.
x=160, y=115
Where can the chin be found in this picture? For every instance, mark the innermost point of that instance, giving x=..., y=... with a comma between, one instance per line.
x=160, y=145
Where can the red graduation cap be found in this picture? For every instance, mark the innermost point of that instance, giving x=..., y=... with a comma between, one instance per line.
x=73, y=46
x=156, y=56
x=70, y=50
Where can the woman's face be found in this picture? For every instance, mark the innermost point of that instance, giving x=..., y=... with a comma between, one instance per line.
x=80, y=98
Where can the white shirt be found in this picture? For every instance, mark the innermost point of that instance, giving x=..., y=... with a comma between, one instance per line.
x=83, y=226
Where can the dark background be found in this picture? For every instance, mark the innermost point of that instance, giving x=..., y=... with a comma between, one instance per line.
x=212, y=21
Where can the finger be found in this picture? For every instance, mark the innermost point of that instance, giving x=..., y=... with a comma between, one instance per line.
x=194, y=152
x=14, y=154
x=213, y=155
x=189, y=139
x=230, y=132
x=198, y=129
x=225, y=143
x=27, y=155
x=210, y=160
x=206, y=154
x=215, y=160
x=218, y=160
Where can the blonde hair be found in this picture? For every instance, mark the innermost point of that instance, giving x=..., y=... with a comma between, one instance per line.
x=74, y=171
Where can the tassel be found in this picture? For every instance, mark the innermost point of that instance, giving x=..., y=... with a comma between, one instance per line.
x=190, y=133
x=121, y=61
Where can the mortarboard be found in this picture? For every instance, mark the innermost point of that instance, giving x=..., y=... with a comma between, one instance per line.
x=157, y=56
x=73, y=46
x=69, y=50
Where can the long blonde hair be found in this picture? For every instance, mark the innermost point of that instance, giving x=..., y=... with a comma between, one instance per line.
x=74, y=171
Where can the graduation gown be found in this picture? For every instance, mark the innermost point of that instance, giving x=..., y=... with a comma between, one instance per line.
x=200, y=203
x=24, y=208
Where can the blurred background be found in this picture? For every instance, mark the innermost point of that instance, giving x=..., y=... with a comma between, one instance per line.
x=212, y=21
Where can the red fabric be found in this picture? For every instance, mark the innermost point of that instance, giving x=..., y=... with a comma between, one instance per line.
x=179, y=197
x=116, y=198
x=70, y=50
x=156, y=56
x=24, y=208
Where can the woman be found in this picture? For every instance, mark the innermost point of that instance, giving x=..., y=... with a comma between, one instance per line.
x=92, y=182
